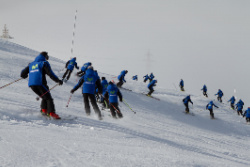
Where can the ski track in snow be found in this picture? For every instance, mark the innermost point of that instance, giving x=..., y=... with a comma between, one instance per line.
x=159, y=134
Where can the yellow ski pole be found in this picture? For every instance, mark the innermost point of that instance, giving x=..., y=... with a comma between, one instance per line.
x=128, y=106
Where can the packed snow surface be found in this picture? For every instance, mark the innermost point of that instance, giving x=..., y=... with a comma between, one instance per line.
x=159, y=134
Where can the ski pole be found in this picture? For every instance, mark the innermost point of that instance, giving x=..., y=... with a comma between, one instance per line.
x=11, y=83
x=128, y=106
x=175, y=87
x=69, y=100
x=37, y=98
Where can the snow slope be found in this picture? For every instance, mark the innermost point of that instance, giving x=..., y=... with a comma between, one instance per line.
x=159, y=134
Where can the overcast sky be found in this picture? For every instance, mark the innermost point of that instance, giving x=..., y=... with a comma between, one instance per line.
x=200, y=41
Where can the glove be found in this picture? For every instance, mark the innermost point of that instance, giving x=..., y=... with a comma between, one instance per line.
x=72, y=91
x=24, y=77
x=120, y=100
x=60, y=82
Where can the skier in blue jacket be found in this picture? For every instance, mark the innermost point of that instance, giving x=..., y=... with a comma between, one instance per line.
x=181, y=85
x=135, y=78
x=70, y=67
x=89, y=81
x=83, y=69
x=186, y=100
x=219, y=95
x=112, y=95
x=210, y=108
x=232, y=101
x=37, y=71
x=204, y=89
x=151, y=77
x=121, y=78
x=104, y=84
x=150, y=87
x=239, y=106
x=146, y=77
x=247, y=114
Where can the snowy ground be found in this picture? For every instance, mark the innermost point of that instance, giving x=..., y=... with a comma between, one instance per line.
x=159, y=134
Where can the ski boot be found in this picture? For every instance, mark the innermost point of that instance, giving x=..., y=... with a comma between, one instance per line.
x=54, y=115
x=44, y=112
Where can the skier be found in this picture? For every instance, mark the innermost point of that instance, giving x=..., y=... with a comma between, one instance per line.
x=104, y=84
x=89, y=80
x=220, y=94
x=98, y=83
x=239, y=106
x=135, y=78
x=37, y=71
x=83, y=69
x=181, y=85
x=70, y=66
x=185, y=101
x=151, y=77
x=247, y=114
x=146, y=78
x=112, y=94
x=204, y=89
x=232, y=100
x=121, y=78
x=210, y=108
x=150, y=87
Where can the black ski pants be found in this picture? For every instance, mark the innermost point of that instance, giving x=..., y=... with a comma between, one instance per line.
x=47, y=100
x=91, y=97
x=240, y=112
x=187, y=108
x=232, y=106
x=67, y=72
x=120, y=83
x=205, y=93
x=115, y=109
x=211, y=113
x=219, y=99
x=151, y=90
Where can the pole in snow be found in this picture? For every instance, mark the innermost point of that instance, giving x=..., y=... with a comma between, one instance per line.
x=10, y=83
x=73, y=35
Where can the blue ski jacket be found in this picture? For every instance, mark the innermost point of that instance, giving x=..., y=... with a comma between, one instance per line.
x=247, y=113
x=113, y=93
x=181, y=83
x=187, y=99
x=89, y=82
x=135, y=77
x=204, y=88
x=71, y=64
x=241, y=102
x=152, y=83
x=219, y=93
x=210, y=105
x=239, y=106
x=85, y=66
x=104, y=84
x=232, y=100
x=146, y=77
x=151, y=76
x=37, y=71
x=122, y=75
